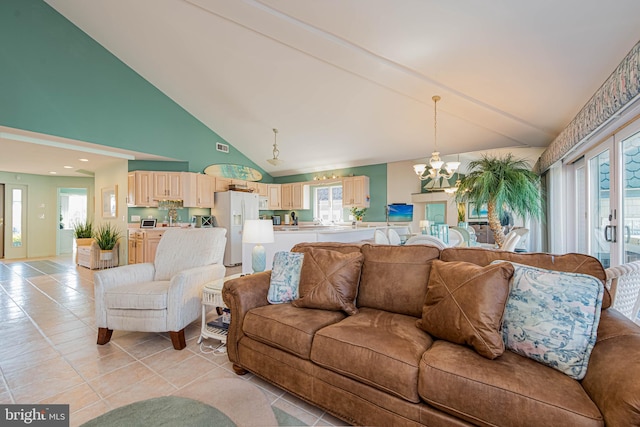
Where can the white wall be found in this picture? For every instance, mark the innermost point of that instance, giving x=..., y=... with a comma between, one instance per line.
x=114, y=174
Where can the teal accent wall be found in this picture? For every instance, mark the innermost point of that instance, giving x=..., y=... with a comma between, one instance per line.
x=56, y=80
x=377, y=189
x=153, y=165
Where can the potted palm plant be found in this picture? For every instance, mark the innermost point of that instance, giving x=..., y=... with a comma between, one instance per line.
x=106, y=236
x=83, y=233
x=501, y=183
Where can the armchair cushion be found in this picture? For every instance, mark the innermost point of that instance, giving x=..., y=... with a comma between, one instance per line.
x=142, y=296
x=172, y=258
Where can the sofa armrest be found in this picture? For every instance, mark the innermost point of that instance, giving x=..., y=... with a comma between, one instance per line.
x=185, y=294
x=241, y=295
x=613, y=375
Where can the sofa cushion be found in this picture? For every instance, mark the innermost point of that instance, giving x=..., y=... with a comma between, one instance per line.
x=394, y=278
x=375, y=347
x=329, y=280
x=510, y=390
x=143, y=296
x=465, y=303
x=552, y=317
x=286, y=327
x=285, y=277
x=571, y=263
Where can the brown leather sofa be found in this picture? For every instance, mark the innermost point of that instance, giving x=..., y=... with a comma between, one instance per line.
x=378, y=368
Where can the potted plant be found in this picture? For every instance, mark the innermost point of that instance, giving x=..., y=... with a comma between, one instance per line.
x=358, y=213
x=106, y=236
x=462, y=215
x=83, y=233
x=501, y=183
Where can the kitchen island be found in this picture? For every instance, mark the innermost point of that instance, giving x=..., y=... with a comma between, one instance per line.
x=286, y=237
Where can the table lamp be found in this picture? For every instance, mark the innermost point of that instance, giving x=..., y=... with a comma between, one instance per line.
x=424, y=226
x=258, y=231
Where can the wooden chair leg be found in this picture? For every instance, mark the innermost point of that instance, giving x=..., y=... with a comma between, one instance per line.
x=104, y=335
x=239, y=370
x=177, y=339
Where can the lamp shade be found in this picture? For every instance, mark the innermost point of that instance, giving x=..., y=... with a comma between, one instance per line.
x=258, y=231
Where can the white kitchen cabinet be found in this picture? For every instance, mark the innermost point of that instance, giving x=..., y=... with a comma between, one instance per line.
x=355, y=191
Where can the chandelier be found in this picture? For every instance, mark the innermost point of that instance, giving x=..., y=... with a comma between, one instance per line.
x=438, y=168
x=275, y=161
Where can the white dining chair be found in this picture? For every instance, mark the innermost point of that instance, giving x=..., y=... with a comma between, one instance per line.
x=394, y=237
x=380, y=238
x=425, y=239
x=510, y=241
x=456, y=238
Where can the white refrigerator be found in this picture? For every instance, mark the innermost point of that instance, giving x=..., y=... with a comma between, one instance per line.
x=232, y=209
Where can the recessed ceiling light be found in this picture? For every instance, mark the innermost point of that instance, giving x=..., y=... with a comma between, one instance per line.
x=68, y=167
x=84, y=160
x=53, y=173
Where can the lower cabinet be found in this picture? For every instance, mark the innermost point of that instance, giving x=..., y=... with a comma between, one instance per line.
x=143, y=245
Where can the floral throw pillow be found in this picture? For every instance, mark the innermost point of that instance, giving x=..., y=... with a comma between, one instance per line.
x=552, y=317
x=285, y=277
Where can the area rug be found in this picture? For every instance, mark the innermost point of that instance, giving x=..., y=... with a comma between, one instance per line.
x=231, y=402
x=170, y=411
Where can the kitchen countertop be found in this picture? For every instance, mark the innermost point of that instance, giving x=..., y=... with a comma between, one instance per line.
x=318, y=228
x=287, y=236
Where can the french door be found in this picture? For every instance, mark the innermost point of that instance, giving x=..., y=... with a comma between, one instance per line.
x=607, y=199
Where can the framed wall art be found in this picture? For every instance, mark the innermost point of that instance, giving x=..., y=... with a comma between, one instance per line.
x=110, y=202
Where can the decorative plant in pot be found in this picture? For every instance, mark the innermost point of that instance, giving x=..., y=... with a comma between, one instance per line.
x=106, y=236
x=501, y=183
x=83, y=233
x=358, y=213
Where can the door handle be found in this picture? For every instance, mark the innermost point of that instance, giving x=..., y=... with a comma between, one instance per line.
x=610, y=233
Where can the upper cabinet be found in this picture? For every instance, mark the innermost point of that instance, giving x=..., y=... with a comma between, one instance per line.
x=355, y=192
x=198, y=190
x=167, y=185
x=274, y=195
x=295, y=196
x=222, y=184
x=140, y=189
x=259, y=188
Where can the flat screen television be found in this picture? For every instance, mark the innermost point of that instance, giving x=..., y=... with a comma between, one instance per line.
x=400, y=212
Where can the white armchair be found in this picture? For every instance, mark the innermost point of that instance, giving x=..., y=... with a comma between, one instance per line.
x=164, y=296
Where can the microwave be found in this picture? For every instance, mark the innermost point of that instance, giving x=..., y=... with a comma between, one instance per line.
x=263, y=203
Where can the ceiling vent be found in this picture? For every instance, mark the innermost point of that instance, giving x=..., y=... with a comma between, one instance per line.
x=222, y=147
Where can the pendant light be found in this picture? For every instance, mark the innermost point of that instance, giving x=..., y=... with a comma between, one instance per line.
x=275, y=161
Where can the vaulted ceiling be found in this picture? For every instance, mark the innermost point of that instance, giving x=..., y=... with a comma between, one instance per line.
x=350, y=82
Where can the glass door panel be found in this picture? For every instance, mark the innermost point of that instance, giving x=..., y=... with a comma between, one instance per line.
x=602, y=234
x=631, y=198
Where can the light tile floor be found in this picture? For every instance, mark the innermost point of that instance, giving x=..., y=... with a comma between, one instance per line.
x=48, y=351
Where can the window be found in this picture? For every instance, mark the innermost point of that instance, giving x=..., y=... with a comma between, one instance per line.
x=328, y=203
x=16, y=222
